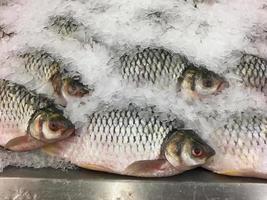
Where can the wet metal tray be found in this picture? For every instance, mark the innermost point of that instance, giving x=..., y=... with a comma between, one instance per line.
x=51, y=184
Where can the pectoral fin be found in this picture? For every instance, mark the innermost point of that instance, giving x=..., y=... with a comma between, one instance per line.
x=94, y=167
x=59, y=148
x=52, y=149
x=23, y=143
x=150, y=168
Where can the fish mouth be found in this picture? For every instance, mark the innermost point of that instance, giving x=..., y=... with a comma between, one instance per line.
x=222, y=85
x=68, y=132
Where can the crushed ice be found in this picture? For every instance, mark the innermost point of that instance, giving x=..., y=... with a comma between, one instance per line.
x=212, y=34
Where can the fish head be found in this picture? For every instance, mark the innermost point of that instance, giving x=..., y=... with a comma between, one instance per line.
x=186, y=150
x=49, y=125
x=202, y=82
x=72, y=86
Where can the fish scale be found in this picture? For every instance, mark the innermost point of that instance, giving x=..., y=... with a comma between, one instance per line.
x=41, y=64
x=125, y=130
x=151, y=64
x=241, y=146
x=253, y=71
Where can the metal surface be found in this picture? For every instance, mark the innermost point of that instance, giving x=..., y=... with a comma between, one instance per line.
x=50, y=184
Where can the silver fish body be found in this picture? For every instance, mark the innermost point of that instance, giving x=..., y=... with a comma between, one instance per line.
x=153, y=65
x=26, y=119
x=163, y=68
x=240, y=146
x=253, y=72
x=126, y=142
x=41, y=64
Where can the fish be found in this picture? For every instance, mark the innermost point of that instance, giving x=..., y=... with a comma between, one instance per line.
x=240, y=145
x=133, y=142
x=64, y=25
x=4, y=34
x=253, y=72
x=28, y=120
x=45, y=67
x=161, y=67
x=68, y=26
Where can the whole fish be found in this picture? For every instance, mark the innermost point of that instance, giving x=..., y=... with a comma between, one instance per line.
x=29, y=121
x=68, y=26
x=253, y=72
x=164, y=68
x=43, y=66
x=135, y=143
x=240, y=146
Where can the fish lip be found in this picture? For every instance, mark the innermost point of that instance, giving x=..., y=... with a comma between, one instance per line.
x=68, y=132
x=223, y=85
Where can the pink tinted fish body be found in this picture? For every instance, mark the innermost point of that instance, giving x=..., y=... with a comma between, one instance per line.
x=241, y=147
x=123, y=142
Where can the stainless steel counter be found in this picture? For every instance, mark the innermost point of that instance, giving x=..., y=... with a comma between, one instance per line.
x=50, y=184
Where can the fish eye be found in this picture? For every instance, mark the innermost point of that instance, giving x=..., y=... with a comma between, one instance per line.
x=207, y=83
x=54, y=126
x=197, y=152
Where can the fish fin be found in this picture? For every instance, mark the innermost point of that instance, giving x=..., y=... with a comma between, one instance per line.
x=148, y=168
x=190, y=95
x=23, y=143
x=34, y=84
x=256, y=173
x=60, y=100
x=94, y=167
x=57, y=149
x=52, y=149
x=230, y=172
